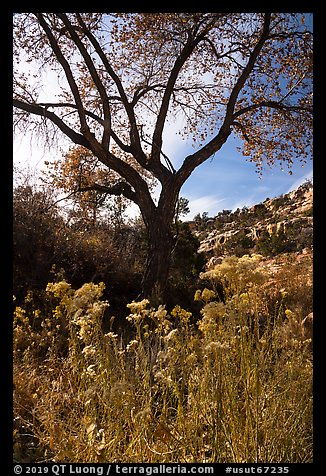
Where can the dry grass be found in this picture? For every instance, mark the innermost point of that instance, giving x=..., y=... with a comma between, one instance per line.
x=226, y=388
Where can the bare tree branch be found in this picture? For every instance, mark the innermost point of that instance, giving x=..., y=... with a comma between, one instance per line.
x=122, y=145
x=273, y=105
x=120, y=188
x=43, y=111
x=179, y=62
x=134, y=136
x=67, y=70
x=194, y=160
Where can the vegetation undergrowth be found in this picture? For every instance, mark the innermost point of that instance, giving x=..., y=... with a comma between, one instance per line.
x=233, y=384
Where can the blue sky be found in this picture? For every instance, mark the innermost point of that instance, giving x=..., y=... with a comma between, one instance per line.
x=227, y=181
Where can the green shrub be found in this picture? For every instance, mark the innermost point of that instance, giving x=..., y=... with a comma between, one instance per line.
x=274, y=244
x=308, y=213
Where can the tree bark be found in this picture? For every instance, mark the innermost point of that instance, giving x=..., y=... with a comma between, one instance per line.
x=160, y=246
x=161, y=242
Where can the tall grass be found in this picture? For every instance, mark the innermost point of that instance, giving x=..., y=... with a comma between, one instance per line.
x=231, y=385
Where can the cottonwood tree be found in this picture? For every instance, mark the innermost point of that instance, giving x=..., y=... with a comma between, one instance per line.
x=85, y=181
x=124, y=76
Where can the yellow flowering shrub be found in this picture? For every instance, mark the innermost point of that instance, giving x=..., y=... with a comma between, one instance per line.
x=237, y=274
x=184, y=387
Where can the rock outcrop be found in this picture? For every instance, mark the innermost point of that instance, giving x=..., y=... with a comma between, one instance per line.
x=288, y=217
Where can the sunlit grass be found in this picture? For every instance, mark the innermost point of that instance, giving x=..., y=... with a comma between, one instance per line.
x=233, y=385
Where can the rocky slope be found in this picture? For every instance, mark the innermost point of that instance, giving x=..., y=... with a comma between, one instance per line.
x=280, y=224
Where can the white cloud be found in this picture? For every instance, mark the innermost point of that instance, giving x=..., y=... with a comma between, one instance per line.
x=172, y=142
x=208, y=203
x=300, y=180
x=246, y=201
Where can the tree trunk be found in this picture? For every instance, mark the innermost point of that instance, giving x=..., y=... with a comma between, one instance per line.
x=160, y=246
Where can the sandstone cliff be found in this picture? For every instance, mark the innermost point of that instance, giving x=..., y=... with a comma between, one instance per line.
x=284, y=223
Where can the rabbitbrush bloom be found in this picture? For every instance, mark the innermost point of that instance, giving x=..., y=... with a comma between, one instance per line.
x=289, y=314
x=59, y=289
x=138, y=310
x=171, y=336
x=213, y=347
x=90, y=371
x=207, y=294
x=133, y=344
x=89, y=350
x=213, y=310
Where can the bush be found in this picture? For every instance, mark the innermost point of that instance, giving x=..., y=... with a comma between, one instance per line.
x=215, y=390
x=308, y=213
x=46, y=243
x=35, y=238
x=240, y=244
x=274, y=244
